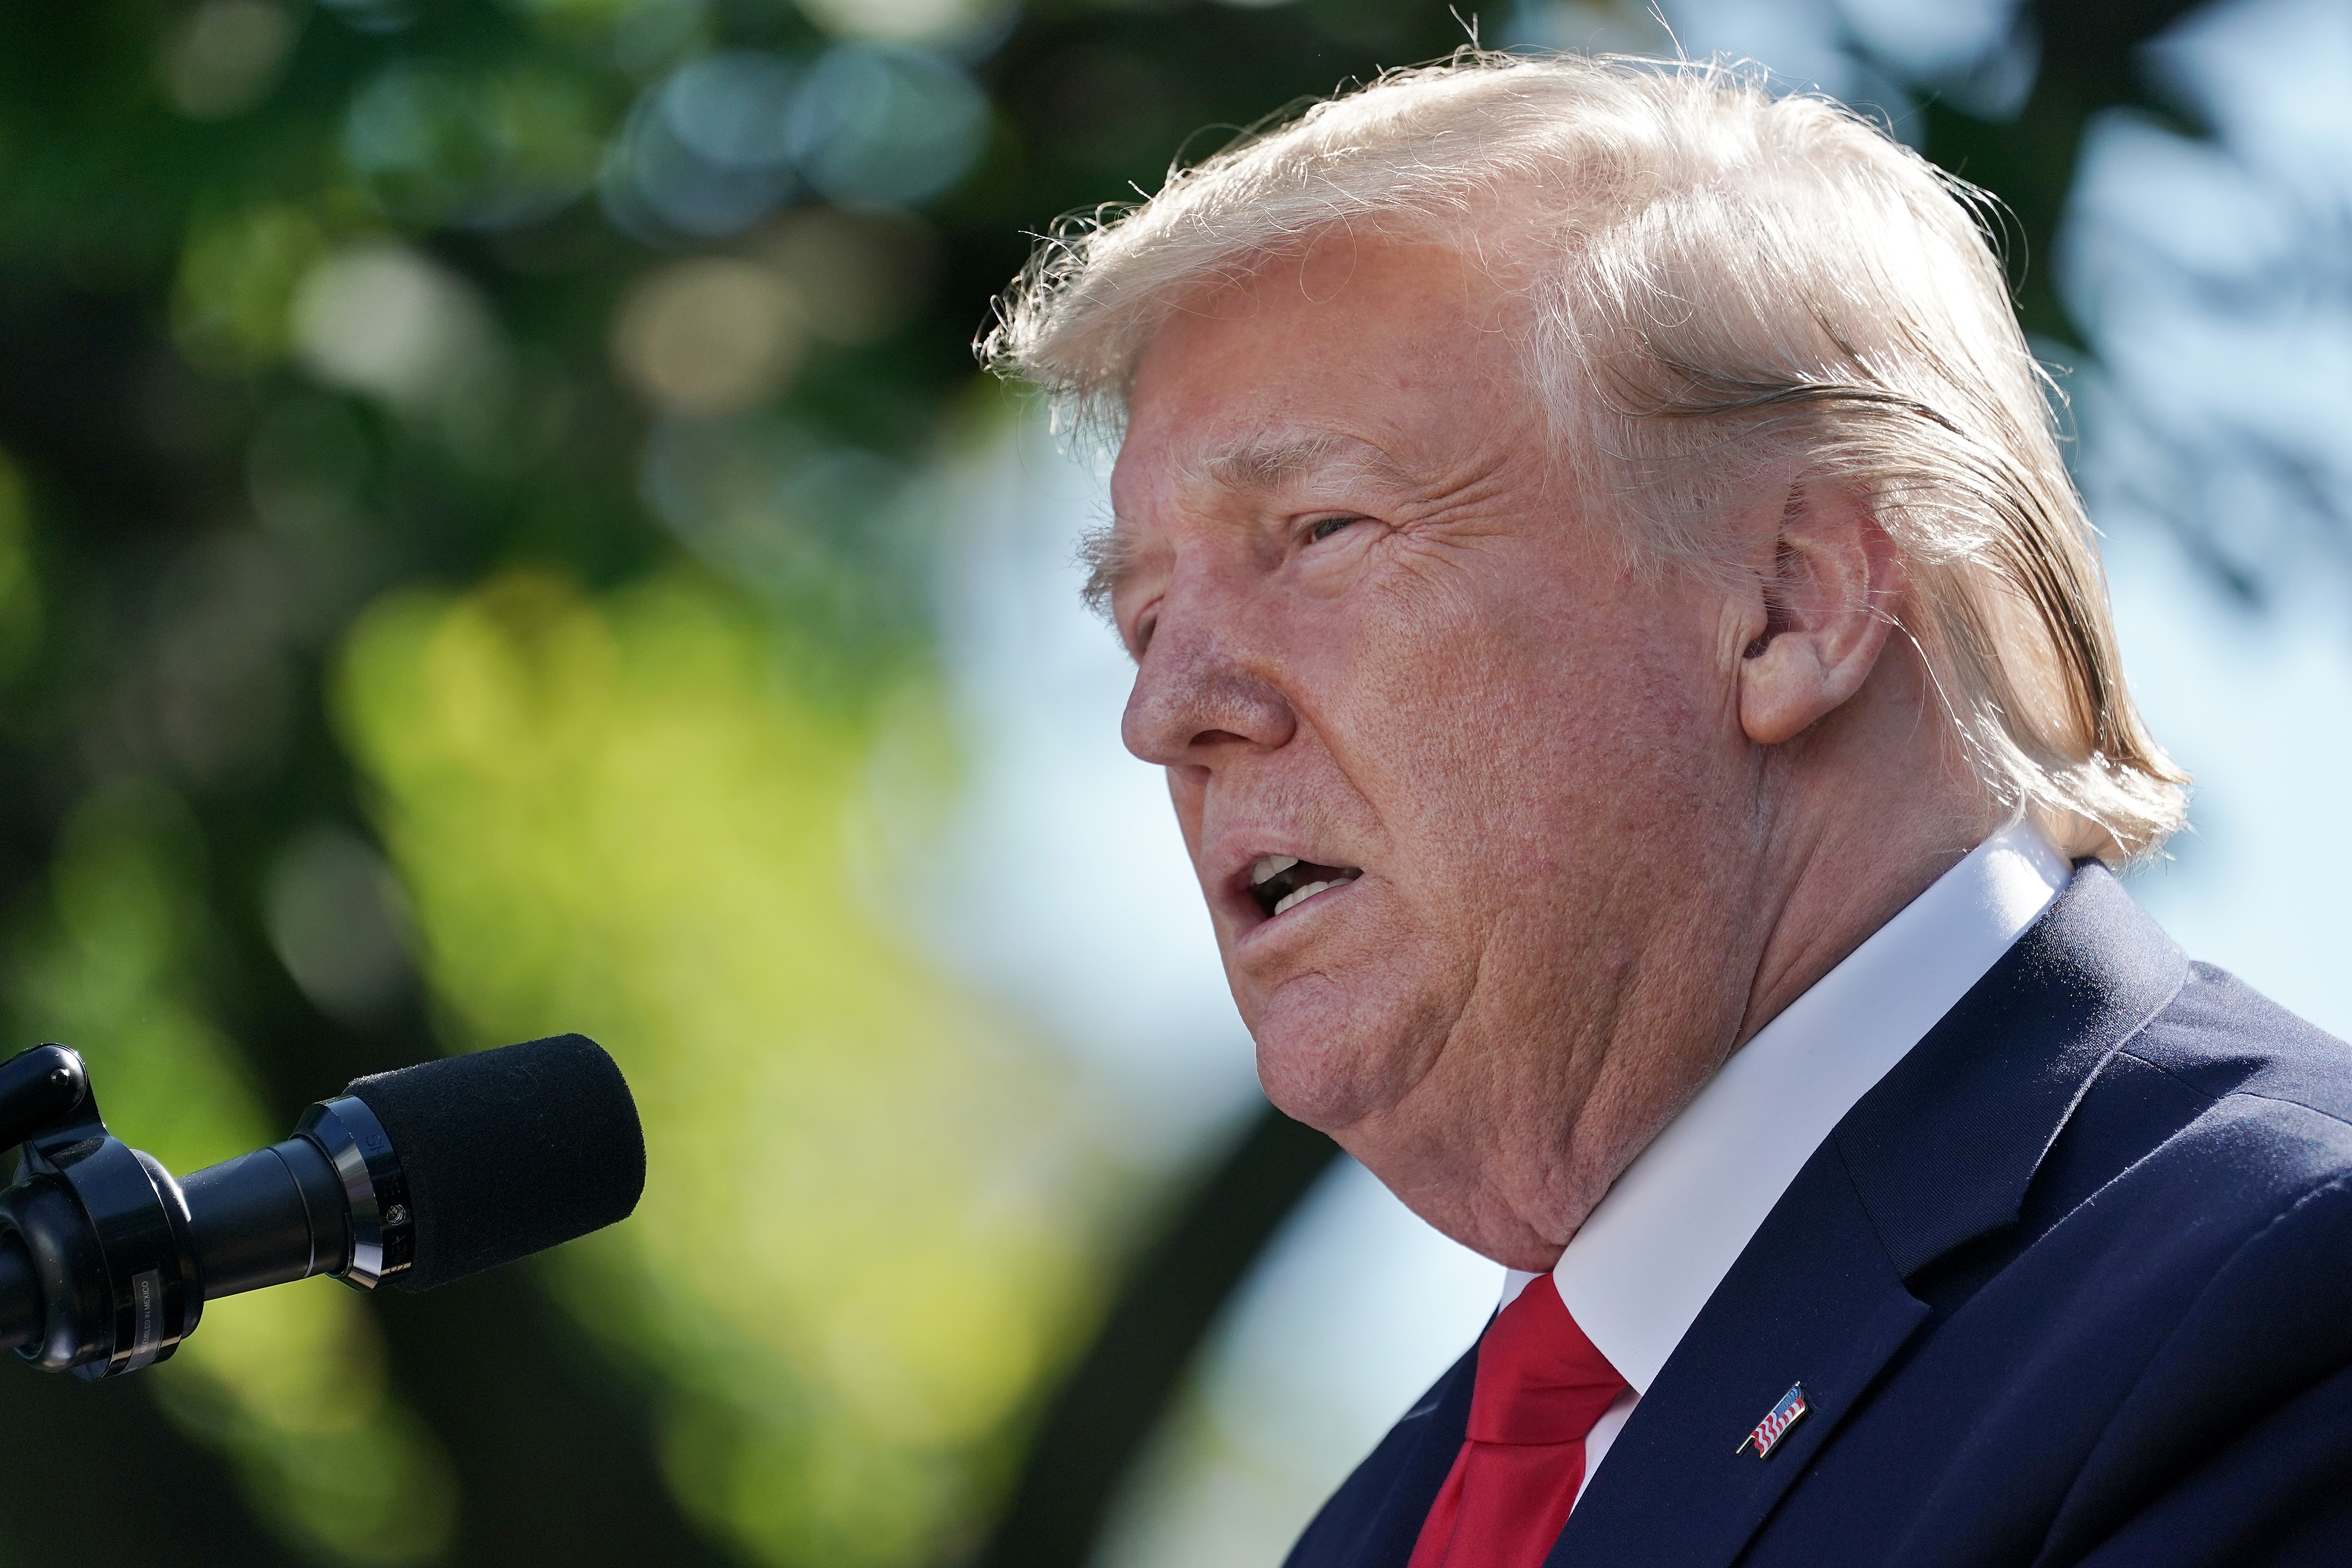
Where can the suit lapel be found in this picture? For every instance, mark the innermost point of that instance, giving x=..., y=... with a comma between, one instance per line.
x=1941, y=1152
x=1943, y=1149
x=1812, y=1300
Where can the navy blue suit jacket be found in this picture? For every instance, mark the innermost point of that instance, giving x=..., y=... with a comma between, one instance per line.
x=2073, y=1284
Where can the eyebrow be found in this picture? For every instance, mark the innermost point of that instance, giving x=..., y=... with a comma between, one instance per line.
x=1271, y=462
x=1103, y=549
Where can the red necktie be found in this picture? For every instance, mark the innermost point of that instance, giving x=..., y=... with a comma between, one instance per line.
x=1541, y=1385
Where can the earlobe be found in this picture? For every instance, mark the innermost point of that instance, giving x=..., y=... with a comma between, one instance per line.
x=1822, y=610
x=1783, y=691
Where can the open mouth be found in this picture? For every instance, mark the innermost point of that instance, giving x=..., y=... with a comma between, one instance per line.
x=1278, y=881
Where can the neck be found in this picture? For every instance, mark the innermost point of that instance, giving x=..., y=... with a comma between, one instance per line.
x=1843, y=886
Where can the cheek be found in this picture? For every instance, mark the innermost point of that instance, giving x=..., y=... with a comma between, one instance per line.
x=1454, y=732
x=1516, y=753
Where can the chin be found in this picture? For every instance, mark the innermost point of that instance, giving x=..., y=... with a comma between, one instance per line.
x=1322, y=1061
x=1307, y=1091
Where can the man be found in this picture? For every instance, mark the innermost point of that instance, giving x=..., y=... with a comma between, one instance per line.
x=1635, y=681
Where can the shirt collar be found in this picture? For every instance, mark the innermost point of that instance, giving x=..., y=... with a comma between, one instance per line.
x=1664, y=1235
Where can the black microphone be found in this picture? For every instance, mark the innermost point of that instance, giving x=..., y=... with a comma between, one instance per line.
x=411, y=1179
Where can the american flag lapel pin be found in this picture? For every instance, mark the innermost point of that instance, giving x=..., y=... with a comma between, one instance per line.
x=1775, y=1425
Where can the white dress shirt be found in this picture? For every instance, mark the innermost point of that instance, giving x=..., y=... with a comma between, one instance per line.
x=1664, y=1235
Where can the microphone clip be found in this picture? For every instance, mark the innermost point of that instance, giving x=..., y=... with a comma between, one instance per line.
x=106, y=1226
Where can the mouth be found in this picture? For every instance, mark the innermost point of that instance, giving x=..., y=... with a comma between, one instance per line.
x=1278, y=882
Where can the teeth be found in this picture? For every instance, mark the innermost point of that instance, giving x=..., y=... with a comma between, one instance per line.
x=1297, y=895
x=1269, y=866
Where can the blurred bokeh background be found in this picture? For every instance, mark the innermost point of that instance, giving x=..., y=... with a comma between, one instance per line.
x=500, y=533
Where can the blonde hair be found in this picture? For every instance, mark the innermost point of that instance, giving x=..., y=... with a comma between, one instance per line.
x=1718, y=280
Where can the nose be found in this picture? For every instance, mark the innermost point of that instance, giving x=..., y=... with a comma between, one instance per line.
x=1196, y=697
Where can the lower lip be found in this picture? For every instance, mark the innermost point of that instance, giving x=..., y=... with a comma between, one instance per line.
x=1300, y=907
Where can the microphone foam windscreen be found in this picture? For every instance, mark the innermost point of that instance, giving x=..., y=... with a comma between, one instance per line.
x=508, y=1152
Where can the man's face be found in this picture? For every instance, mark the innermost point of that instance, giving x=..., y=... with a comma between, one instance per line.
x=1378, y=634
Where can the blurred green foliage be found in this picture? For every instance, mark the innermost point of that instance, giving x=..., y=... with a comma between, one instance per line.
x=618, y=816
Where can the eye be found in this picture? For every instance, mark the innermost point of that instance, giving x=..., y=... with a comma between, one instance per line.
x=1324, y=528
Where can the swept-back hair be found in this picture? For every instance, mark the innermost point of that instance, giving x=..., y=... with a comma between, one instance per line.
x=1719, y=283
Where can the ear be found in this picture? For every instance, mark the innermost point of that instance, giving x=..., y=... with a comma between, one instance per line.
x=1820, y=613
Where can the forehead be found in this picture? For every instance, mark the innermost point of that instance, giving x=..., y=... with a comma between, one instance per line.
x=1380, y=356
